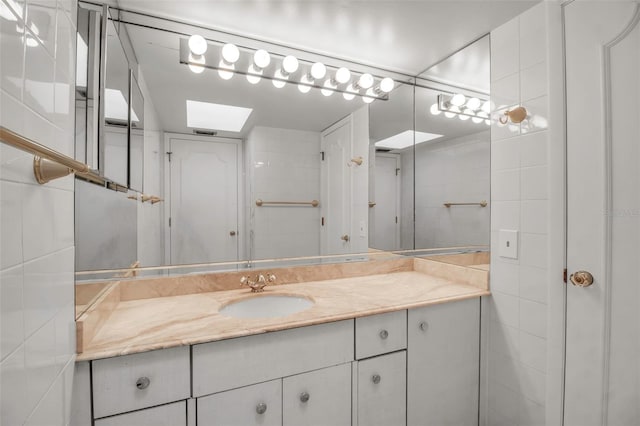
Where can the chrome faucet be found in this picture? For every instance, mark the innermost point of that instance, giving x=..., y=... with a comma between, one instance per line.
x=260, y=282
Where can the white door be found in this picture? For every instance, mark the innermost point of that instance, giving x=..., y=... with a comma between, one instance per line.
x=204, y=200
x=603, y=226
x=387, y=199
x=335, y=178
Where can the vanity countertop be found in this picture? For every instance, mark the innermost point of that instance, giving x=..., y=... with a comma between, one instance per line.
x=146, y=324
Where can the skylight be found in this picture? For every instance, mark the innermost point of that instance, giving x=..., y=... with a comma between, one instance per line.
x=405, y=139
x=205, y=115
x=115, y=106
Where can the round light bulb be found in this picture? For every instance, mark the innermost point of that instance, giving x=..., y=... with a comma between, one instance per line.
x=261, y=58
x=304, y=88
x=473, y=103
x=197, y=44
x=365, y=81
x=386, y=85
x=290, y=64
x=463, y=117
x=452, y=112
x=343, y=75
x=371, y=96
x=435, y=110
x=318, y=70
x=487, y=122
x=483, y=114
x=197, y=69
x=330, y=85
x=251, y=77
x=477, y=120
x=458, y=99
x=225, y=75
x=279, y=83
x=486, y=107
x=230, y=53
x=350, y=93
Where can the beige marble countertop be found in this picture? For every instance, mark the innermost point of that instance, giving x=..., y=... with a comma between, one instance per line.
x=146, y=324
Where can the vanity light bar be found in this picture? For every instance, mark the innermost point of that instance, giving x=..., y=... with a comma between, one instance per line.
x=350, y=84
x=457, y=105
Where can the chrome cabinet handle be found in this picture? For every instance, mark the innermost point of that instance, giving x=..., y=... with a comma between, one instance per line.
x=384, y=334
x=143, y=383
x=424, y=326
x=261, y=408
x=375, y=378
x=304, y=397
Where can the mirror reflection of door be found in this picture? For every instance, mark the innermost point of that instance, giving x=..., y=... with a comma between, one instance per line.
x=385, y=214
x=204, y=199
x=336, y=189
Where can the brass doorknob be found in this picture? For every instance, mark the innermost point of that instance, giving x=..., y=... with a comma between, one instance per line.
x=581, y=279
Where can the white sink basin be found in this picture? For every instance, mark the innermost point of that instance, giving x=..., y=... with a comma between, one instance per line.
x=266, y=306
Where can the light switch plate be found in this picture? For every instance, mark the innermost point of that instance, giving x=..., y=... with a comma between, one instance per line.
x=508, y=243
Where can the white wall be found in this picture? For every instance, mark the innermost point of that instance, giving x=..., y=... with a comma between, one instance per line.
x=455, y=170
x=36, y=221
x=151, y=216
x=283, y=165
x=520, y=365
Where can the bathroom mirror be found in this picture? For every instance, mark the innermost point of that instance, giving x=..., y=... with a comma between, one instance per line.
x=114, y=137
x=136, y=137
x=229, y=198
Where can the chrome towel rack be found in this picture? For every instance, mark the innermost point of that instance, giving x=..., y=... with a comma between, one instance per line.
x=482, y=203
x=312, y=203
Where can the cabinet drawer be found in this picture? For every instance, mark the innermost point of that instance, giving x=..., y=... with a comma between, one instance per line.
x=381, y=390
x=382, y=333
x=233, y=363
x=320, y=398
x=165, y=415
x=132, y=382
x=259, y=404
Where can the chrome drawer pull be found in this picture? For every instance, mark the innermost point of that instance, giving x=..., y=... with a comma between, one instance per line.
x=384, y=334
x=375, y=379
x=304, y=397
x=143, y=383
x=424, y=325
x=261, y=408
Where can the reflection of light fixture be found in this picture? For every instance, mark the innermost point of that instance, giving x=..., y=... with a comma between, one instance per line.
x=197, y=45
x=457, y=105
x=256, y=68
x=196, y=60
x=318, y=70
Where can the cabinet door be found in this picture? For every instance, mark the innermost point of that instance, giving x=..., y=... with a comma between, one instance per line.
x=320, y=398
x=443, y=364
x=165, y=415
x=381, y=390
x=259, y=404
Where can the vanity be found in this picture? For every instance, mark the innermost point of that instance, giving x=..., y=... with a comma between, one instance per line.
x=395, y=342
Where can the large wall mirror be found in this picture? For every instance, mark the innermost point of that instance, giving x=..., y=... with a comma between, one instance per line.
x=247, y=169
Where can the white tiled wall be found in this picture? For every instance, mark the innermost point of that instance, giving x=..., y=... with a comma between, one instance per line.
x=37, y=57
x=283, y=165
x=516, y=376
x=455, y=170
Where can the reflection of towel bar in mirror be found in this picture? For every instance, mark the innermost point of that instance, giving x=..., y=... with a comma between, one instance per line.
x=49, y=164
x=482, y=203
x=312, y=203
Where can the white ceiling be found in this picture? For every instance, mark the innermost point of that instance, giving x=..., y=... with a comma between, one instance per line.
x=406, y=36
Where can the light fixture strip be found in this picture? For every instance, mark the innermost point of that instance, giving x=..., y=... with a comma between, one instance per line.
x=380, y=95
x=443, y=106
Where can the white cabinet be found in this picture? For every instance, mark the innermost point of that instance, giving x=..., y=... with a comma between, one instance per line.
x=259, y=404
x=318, y=398
x=165, y=415
x=232, y=363
x=132, y=382
x=380, y=395
x=443, y=362
x=380, y=334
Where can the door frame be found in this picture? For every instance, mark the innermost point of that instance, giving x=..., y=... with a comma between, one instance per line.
x=242, y=228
